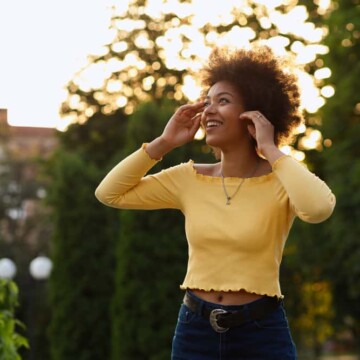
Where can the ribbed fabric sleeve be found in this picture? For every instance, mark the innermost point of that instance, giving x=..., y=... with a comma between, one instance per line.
x=127, y=187
x=311, y=199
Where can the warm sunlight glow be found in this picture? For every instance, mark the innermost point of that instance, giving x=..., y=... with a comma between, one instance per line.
x=219, y=13
x=323, y=73
x=200, y=134
x=278, y=44
x=120, y=7
x=70, y=41
x=298, y=155
x=93, y=77
x=121, y=101
x=190, y=56
x=300, y=129
x=312, y=140
x=295, y=22
x=153, y=8
x=327, y=91
x=323, y=6
x=310, y=94
x=357, y=109
x=288, y=150
x=237, y=36
x=113, y=86
x=47, y=43
x=327, y=142
x=191, y=88
x=270, y=4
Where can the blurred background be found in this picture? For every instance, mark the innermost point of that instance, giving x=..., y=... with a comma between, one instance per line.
x=82, y=84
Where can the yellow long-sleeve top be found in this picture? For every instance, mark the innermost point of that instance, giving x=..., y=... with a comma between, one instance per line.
x=231, y=247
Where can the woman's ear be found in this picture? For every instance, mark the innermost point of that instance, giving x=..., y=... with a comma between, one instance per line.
x=251, y=128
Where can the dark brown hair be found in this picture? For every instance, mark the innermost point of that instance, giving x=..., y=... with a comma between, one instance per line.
x=263, y=81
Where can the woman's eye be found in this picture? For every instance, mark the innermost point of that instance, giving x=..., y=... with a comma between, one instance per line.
x=223, y=101
x=220, y=101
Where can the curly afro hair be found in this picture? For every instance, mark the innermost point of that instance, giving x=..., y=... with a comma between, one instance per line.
x=264, y=82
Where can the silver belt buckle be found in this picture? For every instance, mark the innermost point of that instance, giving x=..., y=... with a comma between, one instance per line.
x=213, y=320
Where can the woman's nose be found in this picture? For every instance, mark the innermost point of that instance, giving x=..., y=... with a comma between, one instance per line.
x=209, y=109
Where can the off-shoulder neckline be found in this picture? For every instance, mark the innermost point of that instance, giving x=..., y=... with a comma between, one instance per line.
x=209, y=178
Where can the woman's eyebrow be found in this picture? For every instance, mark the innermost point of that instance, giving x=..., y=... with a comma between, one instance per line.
x=221, y=93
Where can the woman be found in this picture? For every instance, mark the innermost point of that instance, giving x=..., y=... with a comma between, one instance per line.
x=238, y=211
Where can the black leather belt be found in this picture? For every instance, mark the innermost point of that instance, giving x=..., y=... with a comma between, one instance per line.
x=221, y=320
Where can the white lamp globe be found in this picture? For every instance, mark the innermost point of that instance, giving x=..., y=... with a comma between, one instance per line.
x=40, y=268
x=7, y=268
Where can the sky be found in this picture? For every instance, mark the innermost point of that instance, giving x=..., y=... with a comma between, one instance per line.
x=42, y=44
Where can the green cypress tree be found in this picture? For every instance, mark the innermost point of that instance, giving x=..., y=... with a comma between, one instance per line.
x=81, y=283
x=151, y=257
x=341, y=161
x=330, y=251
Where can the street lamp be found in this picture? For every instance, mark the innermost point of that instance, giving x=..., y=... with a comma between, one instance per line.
x=40, y=268
x=7, y=269
x=32, y=296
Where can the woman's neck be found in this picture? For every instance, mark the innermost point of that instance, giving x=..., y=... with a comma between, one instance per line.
x=242, y=163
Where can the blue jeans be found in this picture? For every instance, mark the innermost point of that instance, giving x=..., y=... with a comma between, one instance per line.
x=268, y=338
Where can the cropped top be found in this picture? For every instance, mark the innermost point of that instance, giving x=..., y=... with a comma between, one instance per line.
x=230, y=248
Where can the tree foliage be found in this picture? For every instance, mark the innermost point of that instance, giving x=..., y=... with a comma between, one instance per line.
x=330, y=251
x=157, y=51
x=341, y=159
x=10, y=339
x=81, y=283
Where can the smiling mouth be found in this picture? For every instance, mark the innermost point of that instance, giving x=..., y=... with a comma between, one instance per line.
x=210, y=124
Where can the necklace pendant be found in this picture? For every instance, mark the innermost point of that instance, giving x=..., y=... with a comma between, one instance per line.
x=228, y=202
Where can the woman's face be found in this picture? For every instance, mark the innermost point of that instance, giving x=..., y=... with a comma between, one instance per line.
x=220, y=118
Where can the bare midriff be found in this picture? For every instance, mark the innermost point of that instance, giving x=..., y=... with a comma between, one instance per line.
x=226, y=297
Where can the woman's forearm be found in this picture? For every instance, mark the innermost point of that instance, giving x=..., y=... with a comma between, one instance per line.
x=158, y=148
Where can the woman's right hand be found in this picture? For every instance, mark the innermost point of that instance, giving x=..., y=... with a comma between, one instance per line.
x=180, y=129
x=183, y=125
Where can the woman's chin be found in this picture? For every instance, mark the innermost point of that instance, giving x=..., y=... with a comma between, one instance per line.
x=211, y=141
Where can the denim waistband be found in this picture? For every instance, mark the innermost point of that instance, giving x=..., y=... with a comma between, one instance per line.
x=230, y=308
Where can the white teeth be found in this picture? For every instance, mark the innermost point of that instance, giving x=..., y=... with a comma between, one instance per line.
x=213, y=123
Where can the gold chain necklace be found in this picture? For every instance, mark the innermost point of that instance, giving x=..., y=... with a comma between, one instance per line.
x=228, y=197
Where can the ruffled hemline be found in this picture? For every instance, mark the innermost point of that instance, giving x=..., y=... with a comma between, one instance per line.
x=250, y=291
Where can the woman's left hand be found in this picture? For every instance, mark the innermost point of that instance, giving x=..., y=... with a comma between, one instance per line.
x=262, y=130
